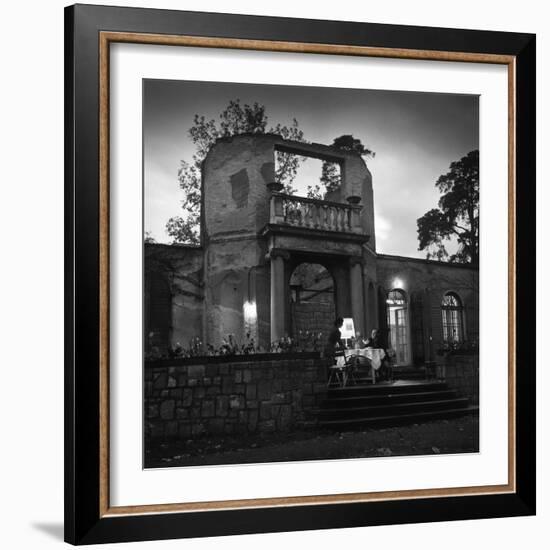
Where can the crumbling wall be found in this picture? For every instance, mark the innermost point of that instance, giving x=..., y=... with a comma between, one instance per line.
x=179, y=268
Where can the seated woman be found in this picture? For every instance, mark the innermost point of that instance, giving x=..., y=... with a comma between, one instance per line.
x=375, y=342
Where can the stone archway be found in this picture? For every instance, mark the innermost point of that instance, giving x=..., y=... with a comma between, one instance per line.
x=312, y=301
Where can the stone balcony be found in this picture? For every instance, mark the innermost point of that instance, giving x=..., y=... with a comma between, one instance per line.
x=321, y=215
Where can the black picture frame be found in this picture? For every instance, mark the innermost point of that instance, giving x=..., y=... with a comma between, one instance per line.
x=84, y=522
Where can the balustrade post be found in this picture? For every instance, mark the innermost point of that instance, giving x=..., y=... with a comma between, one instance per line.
x=276, y=214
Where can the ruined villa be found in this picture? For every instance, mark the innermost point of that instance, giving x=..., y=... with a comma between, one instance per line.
x=271, y=265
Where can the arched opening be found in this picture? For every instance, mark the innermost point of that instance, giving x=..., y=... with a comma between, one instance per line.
x=312, y=303
x=452, y=318
x=398, y=325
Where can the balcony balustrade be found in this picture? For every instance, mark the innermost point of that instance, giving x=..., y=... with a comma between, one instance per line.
x=317, y=214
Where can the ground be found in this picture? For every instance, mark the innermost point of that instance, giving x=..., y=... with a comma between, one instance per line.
x=459, y=435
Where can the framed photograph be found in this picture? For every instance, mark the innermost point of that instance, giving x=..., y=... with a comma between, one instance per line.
x=300, y=278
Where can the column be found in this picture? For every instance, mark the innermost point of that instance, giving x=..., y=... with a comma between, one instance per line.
x=356, y=286
x=278, y=294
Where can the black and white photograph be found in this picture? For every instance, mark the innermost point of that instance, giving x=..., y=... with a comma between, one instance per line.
x=310, y=285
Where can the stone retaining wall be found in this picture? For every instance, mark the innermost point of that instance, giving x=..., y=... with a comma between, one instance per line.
x=461, y=372
x=241, y=395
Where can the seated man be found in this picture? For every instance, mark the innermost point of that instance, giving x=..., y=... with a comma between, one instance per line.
x=374, y=340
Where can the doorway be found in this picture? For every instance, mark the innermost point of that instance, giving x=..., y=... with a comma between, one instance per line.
x=398, y=326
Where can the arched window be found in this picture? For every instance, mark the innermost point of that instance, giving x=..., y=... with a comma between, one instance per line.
x=451, y=314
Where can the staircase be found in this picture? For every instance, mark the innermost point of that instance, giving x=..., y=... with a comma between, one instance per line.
x=391, y=403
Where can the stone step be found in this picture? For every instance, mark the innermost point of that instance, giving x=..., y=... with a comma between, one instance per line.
x=368, y=400
x=393, y=409
x=384, y=388
x=395, y=420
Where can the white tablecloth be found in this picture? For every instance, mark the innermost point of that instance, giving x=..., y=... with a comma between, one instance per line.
x=375, y=355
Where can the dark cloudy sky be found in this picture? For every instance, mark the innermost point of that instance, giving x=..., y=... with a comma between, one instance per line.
x=415, y=136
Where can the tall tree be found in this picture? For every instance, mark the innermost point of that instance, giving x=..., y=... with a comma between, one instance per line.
x=330, y=172
x=457, y=215
x=234, y=119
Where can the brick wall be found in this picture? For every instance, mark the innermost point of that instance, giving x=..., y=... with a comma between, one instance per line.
x=249, y=394
x=313, y=317
x=461, y=372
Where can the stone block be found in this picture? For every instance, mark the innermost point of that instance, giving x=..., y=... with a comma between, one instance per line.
x=197, y=429
x=211, y=371
x=252, y=421
x=280, y=398
x=196, y=371
x=172, y=382
x=171, y=429
x=199, y=393
x=236, y=402
x=227, y=385
x=176, y=393
x=167, y=409
x=222, y=405
x=182, y=414
x=217, y=380
x=238, y=376
x=247, y=376
x=157, y=430
x=152, y=411
x=208, y=408
x=264, y=389
x=252, y=404
x=265, y=411
x=187, y=397
x=160, y=381
x=250, y=391
x=284, y=419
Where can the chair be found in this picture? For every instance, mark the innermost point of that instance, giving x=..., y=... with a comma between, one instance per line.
x=350, y=369
x=337, y=372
